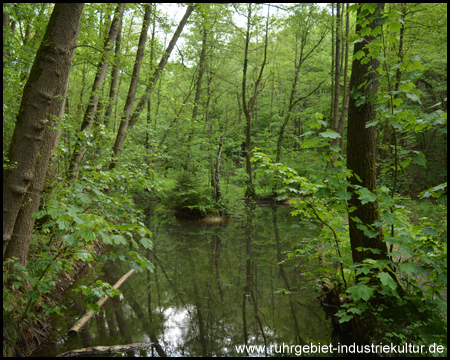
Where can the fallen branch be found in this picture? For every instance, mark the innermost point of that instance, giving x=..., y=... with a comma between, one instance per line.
x=86, y=317
x=99, y=350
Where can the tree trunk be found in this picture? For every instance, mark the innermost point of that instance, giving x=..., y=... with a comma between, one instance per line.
x=121, y=134
x=133, y=84
x=87, y=316
x=80, y=146
x=217, y=173
x=113, y=86
x=248, y=107
x=149, y=102
x=345, y=97
x=337, y=73
x=361, y=152
x=42, y=102
x=332, y=64
x=201, y=69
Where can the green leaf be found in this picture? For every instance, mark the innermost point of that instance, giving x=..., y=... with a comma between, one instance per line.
x=358, y=40
x=361, y=101
x=84, y=198
x=359, y=54
x=397, y=102
x=420, y=160
x=87, y=235
x=387, y=280
x=343, y=195
x=146, y=243
x=430, y=232
x=69, y=240
x=33, y=295
x=366, y=196
x=323, y=192
x=310, y=143
x=16, y=284
x=74, y=209
x=372, y=123
x=62, y=224
x=355, y=93
x=366, y=31
x=360, y=291
x=371, y=233
x=84, y=255
x=330, y=134
x=40, y=214
x=413, y=97
x=389, y=218
x=395, y=26
x=119, y=239
x=397, y=125
x=408, y=268
x=345, y=318
x=105, y=238
x=55, y=212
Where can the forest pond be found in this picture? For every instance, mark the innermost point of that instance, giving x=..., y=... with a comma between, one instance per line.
x=215, y=286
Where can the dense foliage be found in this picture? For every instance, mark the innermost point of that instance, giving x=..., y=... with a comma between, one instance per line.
x=165, y=144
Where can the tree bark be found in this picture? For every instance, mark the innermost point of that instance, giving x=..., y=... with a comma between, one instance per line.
x=80, y=146
x=121, y=134
x=217, y=177
x=42, y=102
x=113, y=86
x=103, y=350
x=345, y=97
x=337, y=73
x=248, y=107
x=133, y=84
x=361, y=152
x=300, y=58
x=86, y=317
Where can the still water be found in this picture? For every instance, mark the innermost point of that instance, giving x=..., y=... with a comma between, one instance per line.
x=215, y=287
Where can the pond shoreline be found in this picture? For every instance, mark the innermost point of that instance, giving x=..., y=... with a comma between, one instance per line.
x=35, y=335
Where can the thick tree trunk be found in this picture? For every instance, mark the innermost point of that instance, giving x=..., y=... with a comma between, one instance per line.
x=361, y=153
x=42, y=102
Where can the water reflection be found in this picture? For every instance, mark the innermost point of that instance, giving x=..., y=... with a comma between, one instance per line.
x=214, y=287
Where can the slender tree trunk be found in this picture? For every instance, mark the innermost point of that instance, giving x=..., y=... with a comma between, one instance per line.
x=201, y=69
x=133, y=84
x=300, y=58
x=80, y=146
x=217, y=172
x=337, y=72
x=361, y=153
x=149, y=103
x=332, y=64
x=248, y=107
x=345, y=97
x=128, y=124
x=112, y=90
x=42, y=104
